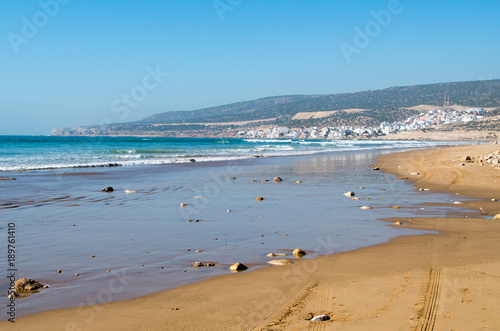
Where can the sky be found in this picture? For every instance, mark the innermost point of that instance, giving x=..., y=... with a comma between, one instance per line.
x=67, y=63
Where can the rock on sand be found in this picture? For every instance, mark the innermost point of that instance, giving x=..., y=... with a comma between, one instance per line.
x=299, y=253
x=238, y=267
x=366, y=207
x=277, y=179
x=349, y=194
x=280, y=262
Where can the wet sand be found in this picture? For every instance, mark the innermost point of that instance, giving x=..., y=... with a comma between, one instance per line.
x=442, y=281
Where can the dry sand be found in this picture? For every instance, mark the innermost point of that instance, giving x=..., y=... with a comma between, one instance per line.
x=445, y=281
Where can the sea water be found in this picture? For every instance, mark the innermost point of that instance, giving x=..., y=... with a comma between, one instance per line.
x=145, y=241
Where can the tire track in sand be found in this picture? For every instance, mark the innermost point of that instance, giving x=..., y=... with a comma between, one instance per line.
x=428, y=319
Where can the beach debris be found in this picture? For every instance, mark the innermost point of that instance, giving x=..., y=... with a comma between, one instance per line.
x=183, y=205
x=376, y=168
x=238, y=267
x=108, y=189
x=24, y=285
x=13, y=295
x=276, y=254
x=259, y=198
x=402, y=178
x=298, y=252
x=415, y=174
x=298, y=181
x=349, y=194
x=398, y=223
x=366, y=207
x=130, y=191
x=199, y=264
x=277, y=179
x=280, y=262
x=3, y=178
x=497, y=217
x=320, y=318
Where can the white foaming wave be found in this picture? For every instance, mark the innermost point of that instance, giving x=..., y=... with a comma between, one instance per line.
x=258, y=140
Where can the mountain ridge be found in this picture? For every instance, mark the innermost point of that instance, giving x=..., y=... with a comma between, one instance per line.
x=385, y=105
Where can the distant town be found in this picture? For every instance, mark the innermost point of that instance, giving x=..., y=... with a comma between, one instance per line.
x=424, y=120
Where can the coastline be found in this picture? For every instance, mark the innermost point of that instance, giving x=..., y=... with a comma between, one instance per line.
x=393, y=273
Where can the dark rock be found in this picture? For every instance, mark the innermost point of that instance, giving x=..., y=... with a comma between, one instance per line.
x=192, y=160
x=376, y=168
x=108, y=189
x=238, y=267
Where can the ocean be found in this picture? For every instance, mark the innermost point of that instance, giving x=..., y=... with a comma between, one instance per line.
x=145, y=240
x=20, y=153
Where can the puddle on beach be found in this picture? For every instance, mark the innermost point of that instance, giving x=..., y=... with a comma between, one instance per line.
x=144, y=238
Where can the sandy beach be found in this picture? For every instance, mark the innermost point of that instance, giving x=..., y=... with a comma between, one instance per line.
x=448, y=280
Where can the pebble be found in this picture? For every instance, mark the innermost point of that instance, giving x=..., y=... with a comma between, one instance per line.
x=276, y=254
x=493, y=199
x=497, y=217
x=77, y=275
x=259, y=198
x=298, y=252
x=280, y=262
x=398, y=223
x=277, y=179
x=229, y=210
x=366, y=207
x=130, y=191
x=414, y=174
x=198, y=251
x=238, y=267
x=355, y=198
x=396, y=207
x=183, y=205
x=320, y=318
x=92, y=255
x=59, y=271
x=298, y=181
x=457, y=202
x=349, y=194
x=108, y=189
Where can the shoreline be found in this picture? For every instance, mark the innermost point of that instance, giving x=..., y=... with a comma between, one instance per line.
x=287, y=293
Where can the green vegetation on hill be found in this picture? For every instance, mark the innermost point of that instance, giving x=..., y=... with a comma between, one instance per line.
x=387, y=105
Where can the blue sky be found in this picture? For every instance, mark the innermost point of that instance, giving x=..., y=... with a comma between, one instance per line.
x=81, y=59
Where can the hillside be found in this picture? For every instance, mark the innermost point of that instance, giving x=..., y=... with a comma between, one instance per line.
x=367, y=108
